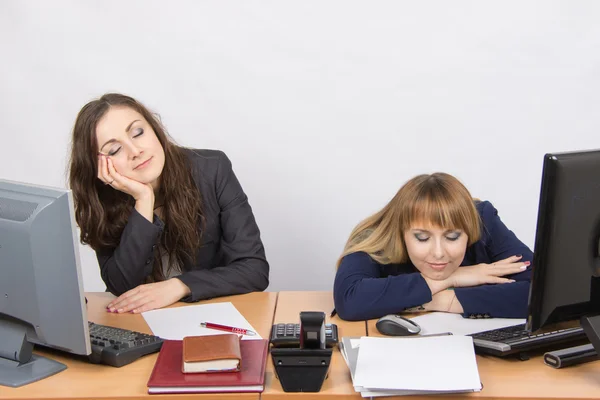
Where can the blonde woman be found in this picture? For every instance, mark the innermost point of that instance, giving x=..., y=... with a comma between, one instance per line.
x=433, y=248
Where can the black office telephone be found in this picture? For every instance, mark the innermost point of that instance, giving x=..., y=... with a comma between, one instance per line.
x=288, y=335
x=301, y=352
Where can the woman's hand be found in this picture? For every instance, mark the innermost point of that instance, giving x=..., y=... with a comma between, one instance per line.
x=149, y=297
x=141, y=192
x=482, y=274
x=109, y=175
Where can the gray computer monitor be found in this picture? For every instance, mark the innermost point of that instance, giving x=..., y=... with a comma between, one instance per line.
x=41, y=291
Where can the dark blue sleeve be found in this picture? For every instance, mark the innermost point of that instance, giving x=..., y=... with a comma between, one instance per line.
x=359, y=291
x=508, y=300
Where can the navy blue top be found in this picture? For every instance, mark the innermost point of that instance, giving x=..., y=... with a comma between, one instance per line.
x=365, y=289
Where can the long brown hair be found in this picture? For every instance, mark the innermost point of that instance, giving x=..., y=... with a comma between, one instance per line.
x=102, y=212
x=438, y=199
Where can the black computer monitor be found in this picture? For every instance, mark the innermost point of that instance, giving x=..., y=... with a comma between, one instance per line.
x=41, y=291
x=566, y=261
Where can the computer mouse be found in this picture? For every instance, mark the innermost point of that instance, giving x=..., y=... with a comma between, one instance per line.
x=395, y=325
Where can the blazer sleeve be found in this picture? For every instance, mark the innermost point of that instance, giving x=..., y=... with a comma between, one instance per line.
x=360, y=292
x=127, y=266
x=508, y=300
x=245, y=268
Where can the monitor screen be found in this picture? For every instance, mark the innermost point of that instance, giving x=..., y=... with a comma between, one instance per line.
x=41, y=291
x=566, y=262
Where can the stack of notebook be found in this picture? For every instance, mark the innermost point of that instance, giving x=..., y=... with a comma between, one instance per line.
x=411, y=365
x=168, y=375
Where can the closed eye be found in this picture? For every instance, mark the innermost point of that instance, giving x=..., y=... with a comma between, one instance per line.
x=138, y=132
x=453, y=237
x=114, y=152
x=422, y=238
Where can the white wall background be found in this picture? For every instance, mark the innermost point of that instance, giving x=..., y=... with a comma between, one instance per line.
x=325, y=107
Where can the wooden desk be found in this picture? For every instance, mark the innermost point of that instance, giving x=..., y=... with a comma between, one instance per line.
x=509, y=378
x=82, y=380
x=501, y=378
x=338, y=383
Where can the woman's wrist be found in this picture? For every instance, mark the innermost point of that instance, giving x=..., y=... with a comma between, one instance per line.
x=183, y=289
x=145, y=206
x=436, y=286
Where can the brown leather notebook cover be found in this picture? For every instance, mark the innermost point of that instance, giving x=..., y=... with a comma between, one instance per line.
x=214, y=353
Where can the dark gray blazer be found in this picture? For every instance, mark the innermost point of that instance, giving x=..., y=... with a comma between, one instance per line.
x=231, y=259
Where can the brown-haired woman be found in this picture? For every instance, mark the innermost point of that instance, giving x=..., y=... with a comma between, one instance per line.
x=167, y=223
x=433, y=236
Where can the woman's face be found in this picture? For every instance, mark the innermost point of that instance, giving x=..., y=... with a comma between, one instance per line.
x=130, y=142
x=434, y=251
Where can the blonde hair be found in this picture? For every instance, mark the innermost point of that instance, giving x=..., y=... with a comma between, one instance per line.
x=438, y=199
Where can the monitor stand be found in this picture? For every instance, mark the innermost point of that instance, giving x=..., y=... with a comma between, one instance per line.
x=14, y=374
x=591, y=327
x=18, y=365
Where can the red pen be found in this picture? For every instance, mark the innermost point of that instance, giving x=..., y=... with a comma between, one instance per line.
x=240, y=331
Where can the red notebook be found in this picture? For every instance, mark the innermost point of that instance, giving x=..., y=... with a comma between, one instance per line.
x=167, y=375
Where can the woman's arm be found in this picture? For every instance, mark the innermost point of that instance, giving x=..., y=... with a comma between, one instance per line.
x=508, y=300
x=127, y=266
x=244, y=268
x=359, y=291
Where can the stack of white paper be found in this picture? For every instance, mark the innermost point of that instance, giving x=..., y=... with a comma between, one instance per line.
x=412, y=365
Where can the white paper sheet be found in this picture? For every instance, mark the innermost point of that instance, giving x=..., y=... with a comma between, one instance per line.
x=432, y=364
x=439, y=322
x=176, y=323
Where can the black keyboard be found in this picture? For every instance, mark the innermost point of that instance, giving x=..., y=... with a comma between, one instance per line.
x=117, y=347
x=515, y=339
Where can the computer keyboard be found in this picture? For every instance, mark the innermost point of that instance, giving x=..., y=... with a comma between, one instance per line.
x=117, y=347
x=515, y=339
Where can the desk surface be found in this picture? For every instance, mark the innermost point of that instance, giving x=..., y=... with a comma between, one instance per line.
x=509, y=378
x=501, y=378
x=83, y=380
